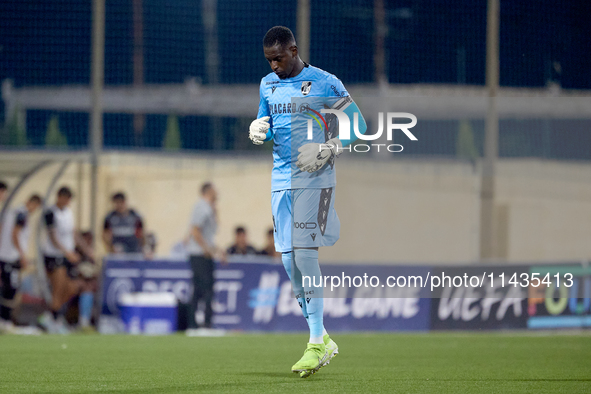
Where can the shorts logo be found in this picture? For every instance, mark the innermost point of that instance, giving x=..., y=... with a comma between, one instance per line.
x=306, y=87
x=313, y=235
x=305, y=226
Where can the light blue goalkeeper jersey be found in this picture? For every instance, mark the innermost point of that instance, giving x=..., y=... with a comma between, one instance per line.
x=276, y=100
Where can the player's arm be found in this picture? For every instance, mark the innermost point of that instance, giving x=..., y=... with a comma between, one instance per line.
x=108, y=235
x=16, y=230
x=83, y=245
x=260, y=128
x=139, y=230
x=357, y=123
x=314, y=156
x=347, y=105
x=50, y=223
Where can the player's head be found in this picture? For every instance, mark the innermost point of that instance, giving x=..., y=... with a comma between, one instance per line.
x=3, y=190
x=87, y=237
x=33, y=203
x=208, y=191
x=240, y=236
x=64, y=196
x=119, y=202
x=281, y=51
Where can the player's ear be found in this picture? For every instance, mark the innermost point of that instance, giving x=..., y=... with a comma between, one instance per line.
x=294, y=50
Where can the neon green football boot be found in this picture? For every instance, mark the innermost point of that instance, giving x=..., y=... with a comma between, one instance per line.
x=331, y=349
x=313, y=359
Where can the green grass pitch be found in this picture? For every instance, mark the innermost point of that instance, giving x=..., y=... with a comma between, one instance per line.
x=404, y=363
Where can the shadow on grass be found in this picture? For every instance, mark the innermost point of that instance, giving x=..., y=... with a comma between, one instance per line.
x=288, y=375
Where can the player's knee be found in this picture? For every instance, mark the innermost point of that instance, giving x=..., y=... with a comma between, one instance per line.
x=287, y=260
x=307, y=261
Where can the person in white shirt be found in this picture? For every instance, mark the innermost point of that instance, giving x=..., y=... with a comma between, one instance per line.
x=61, y=258
x=13, y=246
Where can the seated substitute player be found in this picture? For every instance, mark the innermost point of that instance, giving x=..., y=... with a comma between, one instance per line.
x=13, y=247
x=269, y=248
x=241, y=245
x=88, y=279
x=302, y=186
x=123, y=231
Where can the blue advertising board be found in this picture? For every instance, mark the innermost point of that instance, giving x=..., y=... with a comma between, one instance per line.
x=256, y=295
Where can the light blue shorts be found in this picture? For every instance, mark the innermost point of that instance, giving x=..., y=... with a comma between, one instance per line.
x=304, y=218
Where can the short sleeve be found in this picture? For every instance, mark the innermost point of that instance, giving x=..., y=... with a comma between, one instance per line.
x=263, y=104
x=336, y=88
x=49, y=219
x=107, y=224
x=139, y=223
x=200, y=214
x=21, y=219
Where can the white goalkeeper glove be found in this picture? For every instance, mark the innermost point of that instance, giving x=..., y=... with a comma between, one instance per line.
x=258, y=130
x=314, y=156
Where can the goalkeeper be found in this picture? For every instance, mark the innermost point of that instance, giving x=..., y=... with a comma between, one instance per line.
x=303, y=177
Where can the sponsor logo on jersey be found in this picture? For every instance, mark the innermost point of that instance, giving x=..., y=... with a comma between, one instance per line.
x=337, y=93
x=273, y=89
x=280, y=108
x=306, y=87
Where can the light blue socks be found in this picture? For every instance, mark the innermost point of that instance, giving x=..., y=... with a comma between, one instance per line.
x=85, y=302
x=306, y=261
x=295, y=276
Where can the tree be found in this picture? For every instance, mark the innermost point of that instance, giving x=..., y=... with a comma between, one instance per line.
x=172, y=137
x=13, y=134
x=465, y=146
x=54, y=137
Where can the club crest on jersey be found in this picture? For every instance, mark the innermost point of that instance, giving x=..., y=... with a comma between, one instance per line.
x=306, y=87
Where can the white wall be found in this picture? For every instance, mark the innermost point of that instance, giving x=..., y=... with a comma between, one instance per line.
x=391, y=211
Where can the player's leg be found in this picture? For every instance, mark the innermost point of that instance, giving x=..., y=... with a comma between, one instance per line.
x=9, y=279
x=208, y=294
x=46, y=319
x=329, y=226
x=295, y=276
x=85, y=303
x=281, y=202
x=193, y=302
x=59, y=288
x=73, y=285
x=203, y=282
x=315, y=224
x=306, y=261
x=305, y=241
